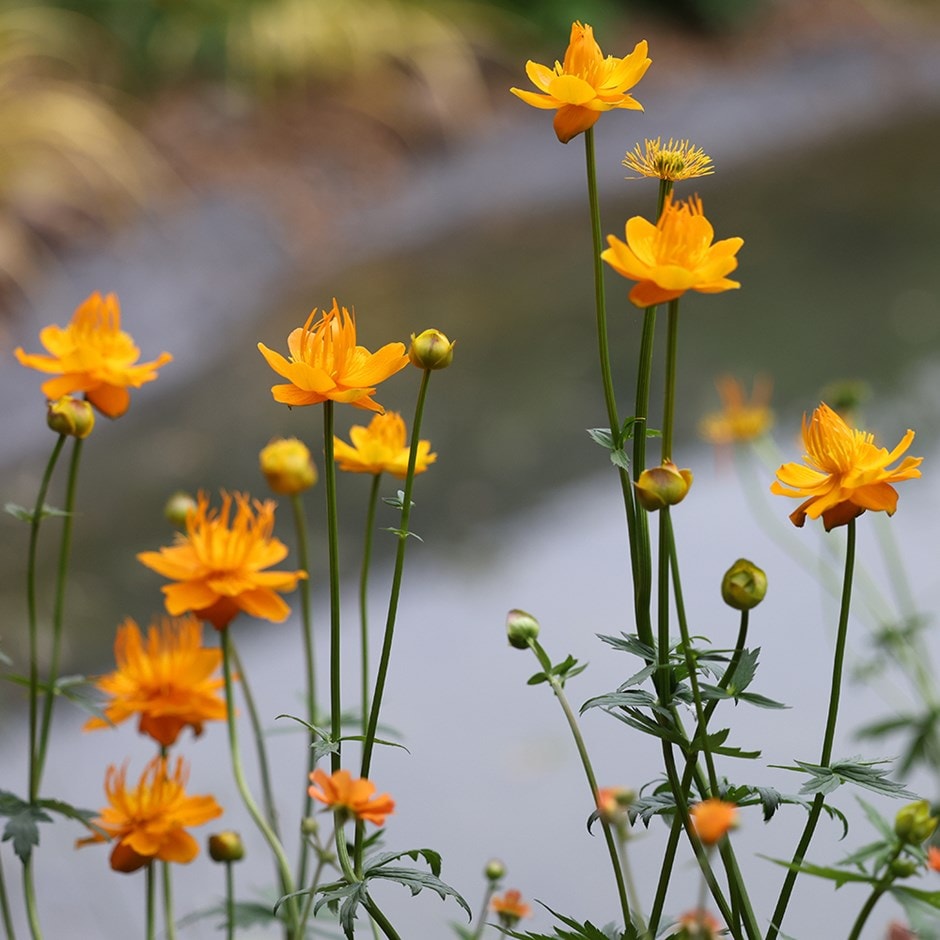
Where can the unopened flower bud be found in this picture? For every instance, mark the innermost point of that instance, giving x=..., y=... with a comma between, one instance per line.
x=72, y=416
x=495, y=870
x=520, y=628
x=903, y=867
x=287, y=466
x=662, y=486
x=309, y=826
x=613, y=803
x=177, y=509
x=431, y=350
x=913, y=824
x=744, y=585
x=226, y=847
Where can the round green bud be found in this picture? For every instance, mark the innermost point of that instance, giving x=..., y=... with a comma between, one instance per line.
x=71, y=416
x=431, y=350
x=495, y=870
x=521, y=628
x=662, y=486
x=913, y=824
x=903, y=867
x=226, y=847
x=744, y=585
x=177, y=509
x=309, y=826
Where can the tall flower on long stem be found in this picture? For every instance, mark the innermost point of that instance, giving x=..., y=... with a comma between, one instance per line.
x=381, y=448
x=326, y=364
x=673, y=256
x=586, y=84
x=845, y=472
x=93, y=355
x=218, y=565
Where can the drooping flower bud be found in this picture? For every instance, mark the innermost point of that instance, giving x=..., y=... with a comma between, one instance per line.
x=71, y=416
x=177, y=508
x=744, y=585
x=520, y=628
x=913, y=824
x=226, y=847
x=431, y=350
x=662, y=486
x=287, y=466
x=495, y=870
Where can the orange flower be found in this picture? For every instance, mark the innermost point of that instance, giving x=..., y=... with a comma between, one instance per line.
x=698, y=925
x=585, y=84
x=846, y=472
x=218, y=565
x=674, y=255
x=510, y=908
x=326, y=364
x=933, y=858
x=712, y=819
x=93, y=355
x=149, y=821
x=354, y=797
x=380, y=448
x=168, y=682
x=739, y=420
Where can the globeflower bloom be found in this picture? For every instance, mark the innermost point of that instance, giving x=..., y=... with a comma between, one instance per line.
x=325, y=363
x=354, y=798
x=712, y=819
x=585, y=84
x=150, y=820
x=698, y=925
x=845, y=473
x=678, y=160
x=287, y=466
x=510, y=908
x=93, y=355
x=218, y=563
x=381, y=448
x=168, y=681
x=740, y=420
x=673, y=256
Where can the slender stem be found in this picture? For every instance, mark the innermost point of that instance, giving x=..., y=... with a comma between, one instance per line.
x=633, y=895
x=5, y=906
x=32, y=616
x=838, y=660
x=29, y=895
x=170, y=923
x=364, y=597
x=59, y=606
x=484, y=907
x=151, y=892
x=559, y=690
x=332, y=527
x=229, y=900
x=867, y=908
x=282, y=865
x=669, y=399
x=379, y=918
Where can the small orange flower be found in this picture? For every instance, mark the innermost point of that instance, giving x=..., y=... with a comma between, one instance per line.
x=933, y=858
x=712, y=819
x=149, y=820
x=93, y=355
x=218, y=564
x=354, y=797
x=846, y=472
x=326, y=364
x=510, y=908
x=698, y=925
x=739, y=420
x=381, y=448
x=586, y=83
x=673, y=256
x=168, y=682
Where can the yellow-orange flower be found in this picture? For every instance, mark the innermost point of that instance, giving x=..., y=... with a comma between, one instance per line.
x=674, y=255
x=510, y=908
x=845, y=473
x=168, y=682
x=739, y=420
x=698, y=925
x=585, y=84
x=678, y=160
x=712, y=819
x=933, y=858
x=150, y=820
x=93, y=355
x=381, y=448
x=218, y=563
x=325, y=363
x=357, y=797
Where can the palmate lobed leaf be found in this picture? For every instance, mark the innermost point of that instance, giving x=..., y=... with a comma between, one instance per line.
x=576, y=931
x=26, y=515
x=853, y=770
x=22, y=826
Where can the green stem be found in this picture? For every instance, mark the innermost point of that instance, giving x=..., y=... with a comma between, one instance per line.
x=559, y=690
x=669, y=399
x=31, y=609
x=229, y=901
x=828, y=738
x=151, y=892
x=364, y=597
x=380, y=919
x=5, y=905
x=282, y=865
x=58, y=614
x=484, y=907
x=168, y=901
x=332, y=527
x=29, y=894
x=867, y=908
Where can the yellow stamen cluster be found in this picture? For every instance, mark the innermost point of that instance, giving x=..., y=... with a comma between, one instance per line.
x=678, y=160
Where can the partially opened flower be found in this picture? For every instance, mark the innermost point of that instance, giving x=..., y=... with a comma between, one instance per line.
x=325, y=363
x=218, y=564
x=510, y=908
x=585, y=84
x=381, y=448
x=673, y=256
x=740, y=419
x=168, y=681
x=845, y=472
x=150, y=820
x=678, y=160
x=712, y=819
x=355, y=798
x=93, y=355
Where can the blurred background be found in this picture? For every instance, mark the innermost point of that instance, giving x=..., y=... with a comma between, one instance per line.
x=227, y=165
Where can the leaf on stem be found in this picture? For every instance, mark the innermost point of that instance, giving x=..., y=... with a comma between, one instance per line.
x=576, y=931
x=27, y=515
x=862, y=773
x=568, y=668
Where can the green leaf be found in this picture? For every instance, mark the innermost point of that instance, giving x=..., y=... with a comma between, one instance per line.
x=744, y=672
x=854, y=770
x=603, y=437
x=26, y=515
x=576, y=931
x=630, y=643
x=22, y=829
x=839, y=875
x=619, y=458
x=397, y=501
x=403, y=533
